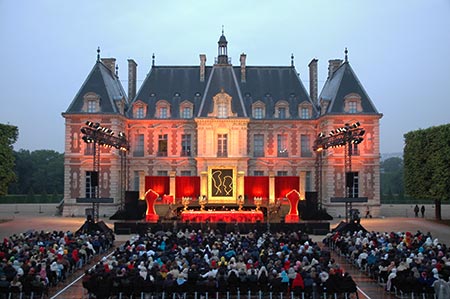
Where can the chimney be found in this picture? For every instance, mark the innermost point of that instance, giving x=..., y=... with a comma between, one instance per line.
x=132, y=66
x=202, y=67
x=110, y=63
x=333, y=65
x=313, y=80
x=243, y=72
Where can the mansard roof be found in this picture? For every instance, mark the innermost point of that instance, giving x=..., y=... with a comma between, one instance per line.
x=103, y=82
x=272, y=84
x=176, y=84
x=342, y=83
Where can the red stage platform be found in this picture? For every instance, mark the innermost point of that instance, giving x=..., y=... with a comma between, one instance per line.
x=222, y=216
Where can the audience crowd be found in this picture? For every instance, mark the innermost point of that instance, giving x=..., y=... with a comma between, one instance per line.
x=33, y=261
x=194, y=261
x=189, y=261
x=401, y=262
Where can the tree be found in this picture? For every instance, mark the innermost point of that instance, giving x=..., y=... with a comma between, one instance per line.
x=8, y=136
x=427, y=164
x=392, y=177
x=41, y=171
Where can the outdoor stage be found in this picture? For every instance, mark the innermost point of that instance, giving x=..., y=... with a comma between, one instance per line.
x=222, y=216
x=167, y=215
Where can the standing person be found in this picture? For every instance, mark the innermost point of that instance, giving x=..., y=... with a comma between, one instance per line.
x=422, y=210
x=368, y=212
x=416, y=210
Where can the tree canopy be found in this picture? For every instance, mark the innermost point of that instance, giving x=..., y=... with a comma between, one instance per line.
x=38, y=172
x=427, y=163
x=8, y=136
x=392, y=178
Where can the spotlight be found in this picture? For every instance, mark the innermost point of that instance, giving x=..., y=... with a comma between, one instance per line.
x=89, y=123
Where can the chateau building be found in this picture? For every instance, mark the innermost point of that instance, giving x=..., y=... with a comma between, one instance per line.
x=221, y=131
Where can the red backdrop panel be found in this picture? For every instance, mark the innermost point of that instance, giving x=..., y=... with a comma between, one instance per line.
x=256, y=186
x=284, y=184
x=187, y=186
x=159, y=184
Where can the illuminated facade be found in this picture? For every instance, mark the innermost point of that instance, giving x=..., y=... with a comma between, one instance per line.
x=222, y=124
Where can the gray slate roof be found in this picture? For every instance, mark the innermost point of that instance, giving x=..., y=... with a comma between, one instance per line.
x=104, y=83
x=266, y=84
x=341, y=83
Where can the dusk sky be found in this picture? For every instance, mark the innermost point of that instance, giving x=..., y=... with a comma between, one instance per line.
x=400, y=51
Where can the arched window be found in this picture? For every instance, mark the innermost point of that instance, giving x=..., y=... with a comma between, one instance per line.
x=186, y=109
x=139, y=109
x=162, y=109
x=282, y=110
x=258, y=110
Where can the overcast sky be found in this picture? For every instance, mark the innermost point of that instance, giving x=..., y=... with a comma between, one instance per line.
x=400, y=50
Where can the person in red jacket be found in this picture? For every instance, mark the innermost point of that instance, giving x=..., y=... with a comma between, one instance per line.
x=297, y=284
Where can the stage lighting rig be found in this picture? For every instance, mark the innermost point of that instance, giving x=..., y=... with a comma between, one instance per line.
x=94, y=132
x=344, y=136
x=101, y=136
x=348, y=134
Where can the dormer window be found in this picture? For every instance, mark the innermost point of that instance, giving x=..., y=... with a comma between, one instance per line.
x=222, y=106
x=282, y=110
x=222, y=111
x=305, y=110
x=162, y=112
x=186, y=109
x=258, y=110
x=187, y=112
x=140, y=112
x=91, y=102
x=352, y=103
x=162, y=109
x=139, y=109
x=304, y=113
x=92, y=106
x=352, y=107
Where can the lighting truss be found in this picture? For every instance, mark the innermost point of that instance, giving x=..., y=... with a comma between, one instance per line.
x=341, y=137
x=101, y=136
x=348, y=134
x=94, y=132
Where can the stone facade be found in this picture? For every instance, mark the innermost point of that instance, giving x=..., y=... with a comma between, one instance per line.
x=188, y=120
